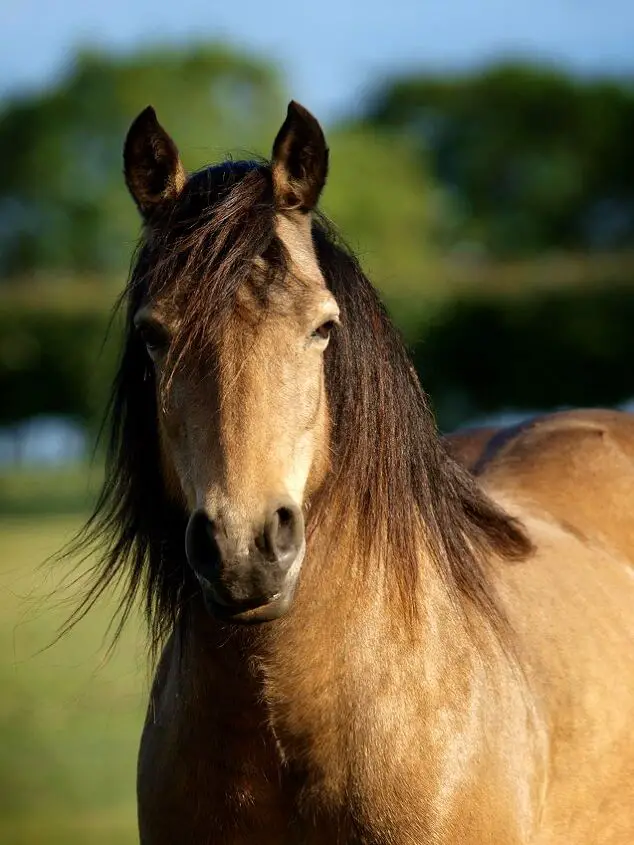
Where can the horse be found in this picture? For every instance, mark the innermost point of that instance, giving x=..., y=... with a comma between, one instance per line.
x=364, y=633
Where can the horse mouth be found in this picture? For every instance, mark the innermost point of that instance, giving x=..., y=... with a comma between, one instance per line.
x=249, y=612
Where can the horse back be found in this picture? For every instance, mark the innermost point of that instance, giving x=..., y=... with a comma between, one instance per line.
x=574, y=467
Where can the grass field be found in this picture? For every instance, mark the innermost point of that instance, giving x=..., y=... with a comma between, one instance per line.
x=69, y=719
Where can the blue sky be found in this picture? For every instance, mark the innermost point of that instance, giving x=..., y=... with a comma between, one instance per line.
x=332, y=51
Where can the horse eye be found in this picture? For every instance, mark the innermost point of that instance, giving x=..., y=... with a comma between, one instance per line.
x=324, y=330
x=154, y=337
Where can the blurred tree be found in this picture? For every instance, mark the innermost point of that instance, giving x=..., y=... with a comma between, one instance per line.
x=544, y=349
x=532, y=158
x=384, y=203
x=63, y=203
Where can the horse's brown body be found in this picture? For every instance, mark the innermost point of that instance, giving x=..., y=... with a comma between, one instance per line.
x=334, y=725
x=442, y=657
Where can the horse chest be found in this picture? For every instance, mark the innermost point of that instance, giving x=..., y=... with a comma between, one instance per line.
x=206, y=786
x=210, y=772
x=211, y=784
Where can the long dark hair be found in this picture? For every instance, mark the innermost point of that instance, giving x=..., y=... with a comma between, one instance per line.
x=387, y=455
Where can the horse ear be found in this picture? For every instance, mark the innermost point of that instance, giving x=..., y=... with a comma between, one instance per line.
x=153, y=170
x=300, y=161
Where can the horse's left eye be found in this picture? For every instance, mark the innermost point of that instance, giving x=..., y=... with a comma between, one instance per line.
x=324, y=330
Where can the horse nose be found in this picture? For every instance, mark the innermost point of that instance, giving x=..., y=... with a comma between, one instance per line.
x=201, y=546
x=210, y=549
x=283, y=535
x=242, y=579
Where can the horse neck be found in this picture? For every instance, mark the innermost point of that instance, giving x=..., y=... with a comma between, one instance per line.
x=351, y=647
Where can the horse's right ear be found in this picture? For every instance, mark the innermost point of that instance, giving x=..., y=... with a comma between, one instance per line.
x=153, y=170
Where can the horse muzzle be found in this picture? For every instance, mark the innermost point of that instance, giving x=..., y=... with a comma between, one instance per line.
x=253, y=585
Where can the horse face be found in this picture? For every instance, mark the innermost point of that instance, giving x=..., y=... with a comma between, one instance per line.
x=244, y=426
x=245, y=439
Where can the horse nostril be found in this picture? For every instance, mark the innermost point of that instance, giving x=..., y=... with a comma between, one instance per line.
x=201, y=546
x=284, y=531
x=285, y=528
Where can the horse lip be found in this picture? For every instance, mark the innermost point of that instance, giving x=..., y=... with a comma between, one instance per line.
x=253, y=611
x=247, y=613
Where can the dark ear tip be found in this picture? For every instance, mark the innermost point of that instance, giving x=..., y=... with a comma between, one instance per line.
x=146, y=118
x=148, y=113
x=143, y=124
x=143, y=121
x=297, y=110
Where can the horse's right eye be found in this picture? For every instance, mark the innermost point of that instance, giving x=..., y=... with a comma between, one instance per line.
x=154, y=337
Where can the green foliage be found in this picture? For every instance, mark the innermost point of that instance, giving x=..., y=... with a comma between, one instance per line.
x=382, y=201
x=64, y=207
x=55, y=362
x=530, y=157
x=544, y=349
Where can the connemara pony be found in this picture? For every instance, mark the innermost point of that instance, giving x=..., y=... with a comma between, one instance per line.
x=361, y=642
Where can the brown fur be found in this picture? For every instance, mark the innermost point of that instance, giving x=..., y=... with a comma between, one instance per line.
x=457, y=664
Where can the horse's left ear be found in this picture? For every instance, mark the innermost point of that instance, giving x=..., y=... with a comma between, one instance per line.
x=300, y=161
x=153, y=170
